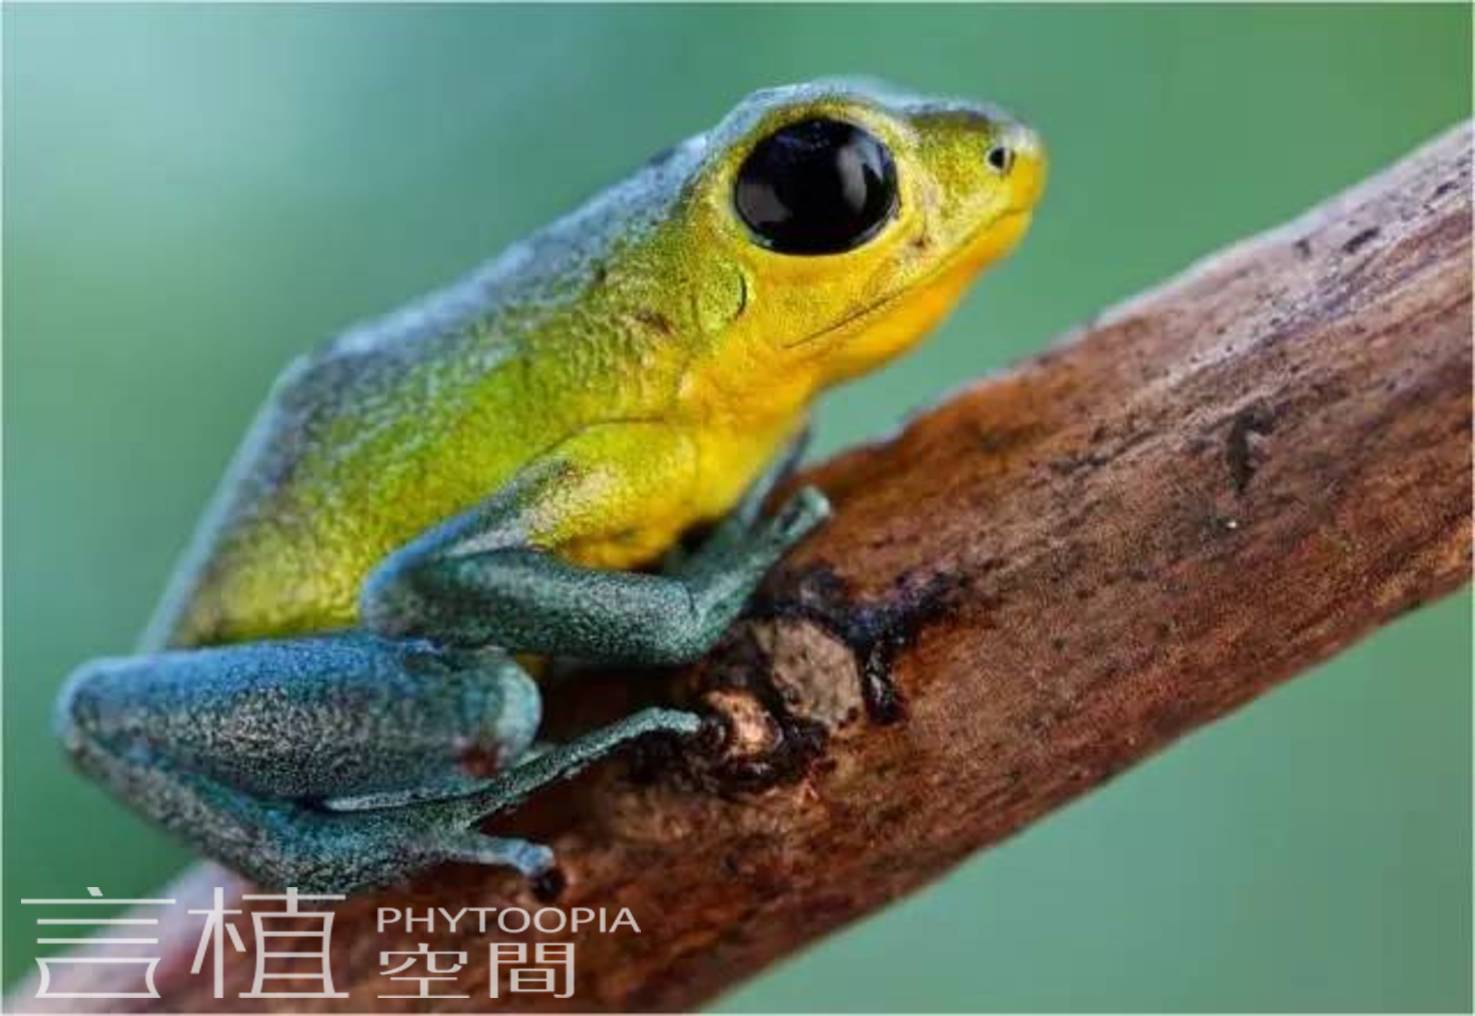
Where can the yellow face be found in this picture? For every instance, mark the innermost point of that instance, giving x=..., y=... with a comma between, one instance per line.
x=854, y=218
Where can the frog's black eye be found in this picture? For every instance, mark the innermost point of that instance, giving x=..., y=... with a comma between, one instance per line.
x=816, y=187
x=1000, y=158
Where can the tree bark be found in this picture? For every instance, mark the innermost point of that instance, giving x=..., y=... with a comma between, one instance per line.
x=1038, y=583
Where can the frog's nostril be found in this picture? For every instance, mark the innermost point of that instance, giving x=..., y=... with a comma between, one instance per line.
x=1011, y=142
x=1024, y=142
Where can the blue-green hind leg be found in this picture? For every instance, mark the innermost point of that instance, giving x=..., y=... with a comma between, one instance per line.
x=248, y=752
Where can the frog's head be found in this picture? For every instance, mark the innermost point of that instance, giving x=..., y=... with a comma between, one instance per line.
x=853, y=217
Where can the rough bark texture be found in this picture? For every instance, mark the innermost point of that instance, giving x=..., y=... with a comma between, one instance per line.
x=1040, y=582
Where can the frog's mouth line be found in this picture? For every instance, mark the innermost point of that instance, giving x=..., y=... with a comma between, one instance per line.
x=890, y=298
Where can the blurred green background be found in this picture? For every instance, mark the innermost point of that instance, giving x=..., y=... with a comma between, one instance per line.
x=194, y=194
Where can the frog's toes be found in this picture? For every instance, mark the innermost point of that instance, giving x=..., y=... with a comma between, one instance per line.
x=530, y=859
x=799, y=516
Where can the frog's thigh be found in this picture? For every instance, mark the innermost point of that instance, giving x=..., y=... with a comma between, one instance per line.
x=303, y=718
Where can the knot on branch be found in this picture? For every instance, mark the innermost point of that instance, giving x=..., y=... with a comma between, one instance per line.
x=809, y=663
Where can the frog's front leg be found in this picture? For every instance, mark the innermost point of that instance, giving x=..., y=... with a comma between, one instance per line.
x=306, y=761
x=490, y=576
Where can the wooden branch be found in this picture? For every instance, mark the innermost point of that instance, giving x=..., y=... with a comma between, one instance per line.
x=1038, y=583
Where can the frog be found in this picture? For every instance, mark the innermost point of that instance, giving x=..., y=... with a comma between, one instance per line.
x=340, y=685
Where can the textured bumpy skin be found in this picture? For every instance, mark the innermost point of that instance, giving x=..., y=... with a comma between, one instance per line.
x=462, y=480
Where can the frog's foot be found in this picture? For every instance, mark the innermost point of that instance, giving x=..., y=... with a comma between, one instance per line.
x=443, y=826
x=376, y=839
